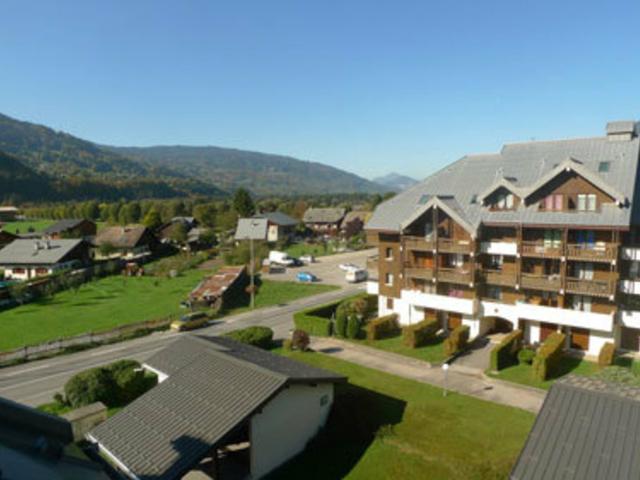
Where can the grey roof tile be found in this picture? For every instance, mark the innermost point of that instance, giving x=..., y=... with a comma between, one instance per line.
x=251, y=228
x=278, y=218
x=323, y=215
x=27, y=252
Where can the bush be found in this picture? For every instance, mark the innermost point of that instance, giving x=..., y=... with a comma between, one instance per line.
x=340, y=325
x=607, y=355
x=383, y=327
x=300, y=340
x=353, y=327
x=261, y=337
x=549, y=356
x=130, y=380
x=526, y=356
x=457, y=340
x=421, y=333
x=316, y=321
x=95, y=385
x=504, y=353
x=287, y=345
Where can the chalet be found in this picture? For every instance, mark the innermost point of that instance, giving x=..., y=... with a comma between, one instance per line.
x=24, y=259
x=324, y=221
x=218, y=401
x=9, y=214
x=213, y=289
x=353, y=223
x=133, y=242
x=6, y=238
x=279, y=225
x=71, y=228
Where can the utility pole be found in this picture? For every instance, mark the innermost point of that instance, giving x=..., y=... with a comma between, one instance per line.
x=252, y=273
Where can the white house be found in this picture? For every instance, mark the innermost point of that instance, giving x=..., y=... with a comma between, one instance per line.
x=24, y=259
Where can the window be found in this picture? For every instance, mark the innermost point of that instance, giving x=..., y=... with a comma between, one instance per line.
x=388, y=279
x=591, y=202
x=496, y=261
x=424, y=199
x=548, y=203
x=584, y=271
x=504, y=201
x=455, y=292
x=388, y=253
x=552, y=238
x=582, y=202
x=19, y=271
x=603, y=167
x=494, y=292
x=582, y=303
x=389, y=303
x=557, y=201
x=634, y=270
x=587, y=202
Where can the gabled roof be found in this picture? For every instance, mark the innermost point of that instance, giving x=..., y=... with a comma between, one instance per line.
x=64, y=225
x=502, y=183
x=278, y=218
x=362, y=215
x=448, y=205
x=252, y=229
x=121, y=237
x=37, y=252
x=323, y=215
x=571, y=164
x=214, y=386
x=587, y=429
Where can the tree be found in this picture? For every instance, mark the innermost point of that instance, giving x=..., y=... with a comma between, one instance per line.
x=179, y=233
x=106, y=249
x=243, y=203
x=152, y=219
x=205, y=213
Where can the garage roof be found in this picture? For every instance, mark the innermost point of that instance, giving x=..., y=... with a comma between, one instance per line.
x=214, y=386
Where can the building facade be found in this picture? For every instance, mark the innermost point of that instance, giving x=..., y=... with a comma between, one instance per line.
x=539, y=237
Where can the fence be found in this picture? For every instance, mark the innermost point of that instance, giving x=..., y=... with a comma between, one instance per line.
x=32, y=352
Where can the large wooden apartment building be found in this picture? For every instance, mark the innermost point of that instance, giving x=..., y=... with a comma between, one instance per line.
x=543, y=236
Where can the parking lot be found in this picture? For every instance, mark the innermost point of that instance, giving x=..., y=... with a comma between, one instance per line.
x=326, y=268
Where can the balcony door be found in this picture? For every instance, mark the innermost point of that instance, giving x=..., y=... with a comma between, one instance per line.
x=582, y=303
x=584, y=270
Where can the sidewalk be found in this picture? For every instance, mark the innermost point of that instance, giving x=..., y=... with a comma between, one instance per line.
x=460, y=381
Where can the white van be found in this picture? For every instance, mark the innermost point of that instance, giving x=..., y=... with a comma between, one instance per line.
x=281, y=258
x=356, y=275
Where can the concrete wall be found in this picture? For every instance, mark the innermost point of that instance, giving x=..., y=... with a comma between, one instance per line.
x=83, y=419
x=286, y=424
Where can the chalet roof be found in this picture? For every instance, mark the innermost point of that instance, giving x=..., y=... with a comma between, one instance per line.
x=362, y=215
x=121, y=237
x=63, y=225
x=214, y=385
x=526, y=165
x=278, y=218
x=251, y=228
x=323, y=215
x=37, y=252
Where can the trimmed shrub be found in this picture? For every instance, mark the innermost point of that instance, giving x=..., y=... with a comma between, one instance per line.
x=457, y=340
x=340, y=325
x=421, y=333
x=95, y=385
x=261, y=337
x=607, y=355
x=353, y=327
x=287, y=344
x=316, y=321
x=549, y=355
x=300, y=340
x=383, y=327
x=526, y=356
x=504, y=353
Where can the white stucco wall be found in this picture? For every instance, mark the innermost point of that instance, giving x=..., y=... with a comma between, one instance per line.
x=597, y=340
x=286, y=424
x=473, y=324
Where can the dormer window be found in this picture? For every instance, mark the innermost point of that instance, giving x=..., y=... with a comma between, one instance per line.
x=603, y=167
x=587, y=202
x=554, y=202
x=504, y=200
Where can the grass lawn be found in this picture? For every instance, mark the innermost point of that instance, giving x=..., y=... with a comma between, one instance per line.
x=522, y=373
x=386, y=427
x=113, y=301
x=299, y=249
x=24, y=226
x=430, y=353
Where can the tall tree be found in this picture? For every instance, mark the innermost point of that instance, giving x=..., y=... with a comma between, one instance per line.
x=152, y=219
x=243, y=203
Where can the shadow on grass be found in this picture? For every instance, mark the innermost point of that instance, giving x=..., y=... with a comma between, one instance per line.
x=566, y=366
x=357, y=418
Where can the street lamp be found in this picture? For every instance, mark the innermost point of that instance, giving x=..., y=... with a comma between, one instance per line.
x=445, y=369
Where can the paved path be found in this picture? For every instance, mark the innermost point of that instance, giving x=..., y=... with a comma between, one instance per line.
x=459, y=380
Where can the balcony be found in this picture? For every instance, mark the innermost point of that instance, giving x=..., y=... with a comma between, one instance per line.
x=541, y=250
x=551, y=283
x=453, y=275
x=449, y=245
x=565, y=316
x=498, y=277
x=630, y=287
x=499, y=248
x=419, y=243
x=421, y=273
x=605, y=252
x=465, y=306
x=596, y=288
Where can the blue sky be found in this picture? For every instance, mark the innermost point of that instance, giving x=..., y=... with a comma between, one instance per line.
x=368, y=86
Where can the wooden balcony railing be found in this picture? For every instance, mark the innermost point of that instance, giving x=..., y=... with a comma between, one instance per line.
x=498, y=277
x=595, y=252
x=539, y=249
x=453, y=275
x=422, y=273
x=454, y=246
x=419, y=243
x=541, y=282
x=598, y=288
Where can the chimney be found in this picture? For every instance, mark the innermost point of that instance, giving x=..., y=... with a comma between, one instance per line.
x=621, y=131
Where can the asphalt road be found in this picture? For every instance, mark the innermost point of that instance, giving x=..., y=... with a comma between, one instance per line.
x=36, y=382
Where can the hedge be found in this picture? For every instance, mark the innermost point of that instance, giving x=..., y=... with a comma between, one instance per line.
x=457, y=340
x=383, y=327
x=504, y=354
x=420, y=334
x=317, y=321
x=354, y=325
x=607, y=355
x=549, y=355
x=261, y=337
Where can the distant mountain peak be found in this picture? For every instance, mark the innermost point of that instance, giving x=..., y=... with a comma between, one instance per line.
x=395, y=182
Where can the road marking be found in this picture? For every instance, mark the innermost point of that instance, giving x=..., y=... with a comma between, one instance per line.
x=25, y=370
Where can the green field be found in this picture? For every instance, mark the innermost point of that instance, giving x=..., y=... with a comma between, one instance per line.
x=386, y=427
x=113, y=301
x=299, y=249
x=23, y=227
x=429, y=353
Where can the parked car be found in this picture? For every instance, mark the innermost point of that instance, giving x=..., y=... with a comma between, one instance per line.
x=308, y=258
x=190, y=321
x=281, y=258
x=356, y=275
x=306, y=277
x=348, y=266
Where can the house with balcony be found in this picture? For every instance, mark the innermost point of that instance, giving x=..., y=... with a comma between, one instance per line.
x=542, y=236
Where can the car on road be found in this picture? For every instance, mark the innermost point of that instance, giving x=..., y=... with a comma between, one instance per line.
x=306, y=277
x=348, y=266
x=356, y=275
x=190, y=321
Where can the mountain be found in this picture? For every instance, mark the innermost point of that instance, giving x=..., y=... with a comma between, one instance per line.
x=261, y=173
x=79, y=169
x=19, y=183
x=394, y=182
